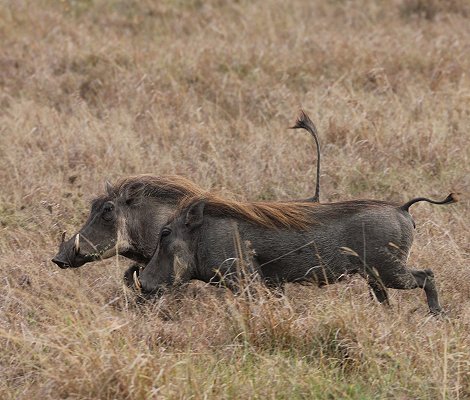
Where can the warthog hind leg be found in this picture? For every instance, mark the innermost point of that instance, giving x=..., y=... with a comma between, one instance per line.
x=425, y=280
x=405, y=278
x=378, y=289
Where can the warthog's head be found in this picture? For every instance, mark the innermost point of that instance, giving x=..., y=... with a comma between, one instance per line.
x=113, y=227
x=174, y=260
x=104, y=234
x=126, y=220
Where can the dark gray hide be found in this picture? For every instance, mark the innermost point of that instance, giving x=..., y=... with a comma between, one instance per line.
x=371, y=238
x=125, y=222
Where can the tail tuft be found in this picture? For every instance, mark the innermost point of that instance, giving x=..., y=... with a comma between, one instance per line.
x=303, y=121
x=453, y=198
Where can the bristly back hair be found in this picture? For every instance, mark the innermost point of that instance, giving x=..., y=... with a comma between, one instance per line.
x=291, y=215
x=272, y=214
x=167, y=188
x=174, y=189
x=177, y=190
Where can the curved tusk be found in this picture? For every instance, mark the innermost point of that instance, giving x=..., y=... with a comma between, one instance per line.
x=76, y=246
x=136, y=281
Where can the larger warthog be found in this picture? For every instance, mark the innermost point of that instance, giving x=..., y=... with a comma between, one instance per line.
x=319, y=243
x=127, y=219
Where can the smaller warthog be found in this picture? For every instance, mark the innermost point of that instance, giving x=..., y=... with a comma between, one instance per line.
x=318, y=243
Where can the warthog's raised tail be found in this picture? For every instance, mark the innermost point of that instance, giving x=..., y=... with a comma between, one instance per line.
x=451, y=198
x=304, y=122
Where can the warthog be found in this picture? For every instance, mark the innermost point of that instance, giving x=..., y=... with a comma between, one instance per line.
x=300, y=242
x=127, y=219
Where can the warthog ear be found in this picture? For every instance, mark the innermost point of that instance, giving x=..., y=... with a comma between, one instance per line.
x=108, y=188
x=195, y=215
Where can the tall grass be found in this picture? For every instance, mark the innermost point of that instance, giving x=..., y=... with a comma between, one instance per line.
x=95, y=90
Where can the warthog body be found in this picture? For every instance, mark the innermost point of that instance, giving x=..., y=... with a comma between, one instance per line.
x=323, y=244
x=127, y=219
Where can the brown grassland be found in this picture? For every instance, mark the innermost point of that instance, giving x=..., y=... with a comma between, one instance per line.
x=95, y=89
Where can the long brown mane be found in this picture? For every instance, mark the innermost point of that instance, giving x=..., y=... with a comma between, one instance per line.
x=174, y=189
x=297, y=215
x=167, y=188
x=294, y=215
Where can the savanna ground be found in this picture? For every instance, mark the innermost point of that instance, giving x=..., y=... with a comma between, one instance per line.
x=95, y=90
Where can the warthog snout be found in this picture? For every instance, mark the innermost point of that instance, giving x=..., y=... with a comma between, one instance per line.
x=143, y=286
x=146, y=287
x=69, y=253
x=60, y=262
x=134, y=279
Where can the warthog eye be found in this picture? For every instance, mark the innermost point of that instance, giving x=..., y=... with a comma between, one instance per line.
x=165, y=232
x=107, y=209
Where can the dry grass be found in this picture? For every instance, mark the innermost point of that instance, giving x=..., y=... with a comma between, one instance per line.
x=102, y=89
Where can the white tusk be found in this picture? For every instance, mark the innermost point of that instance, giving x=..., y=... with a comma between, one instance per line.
x=136, y=281
x=63, y=237
x=76, y=246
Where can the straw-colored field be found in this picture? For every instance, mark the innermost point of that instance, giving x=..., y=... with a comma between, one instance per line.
x=94, y=89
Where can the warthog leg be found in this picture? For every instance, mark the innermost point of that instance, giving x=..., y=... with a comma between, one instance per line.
x=401, y=277
x=378, y=289
x=425, y=280
x=370, y=274
x=379, y=292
